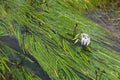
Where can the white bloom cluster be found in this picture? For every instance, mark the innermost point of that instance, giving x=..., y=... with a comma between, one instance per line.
x=85, y=39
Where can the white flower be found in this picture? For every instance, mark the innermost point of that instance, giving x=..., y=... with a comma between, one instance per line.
x=85, y=39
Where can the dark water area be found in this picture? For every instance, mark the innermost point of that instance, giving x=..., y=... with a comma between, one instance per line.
x=12, y=42
x=108, y=19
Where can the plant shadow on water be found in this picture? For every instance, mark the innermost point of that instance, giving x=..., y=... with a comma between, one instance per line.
x=33, y=65
x=69, y=40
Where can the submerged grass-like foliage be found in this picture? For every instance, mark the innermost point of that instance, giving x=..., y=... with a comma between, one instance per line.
x=44, y=30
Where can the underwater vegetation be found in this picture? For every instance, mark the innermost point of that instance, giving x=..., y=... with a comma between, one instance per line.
x=36, y=41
